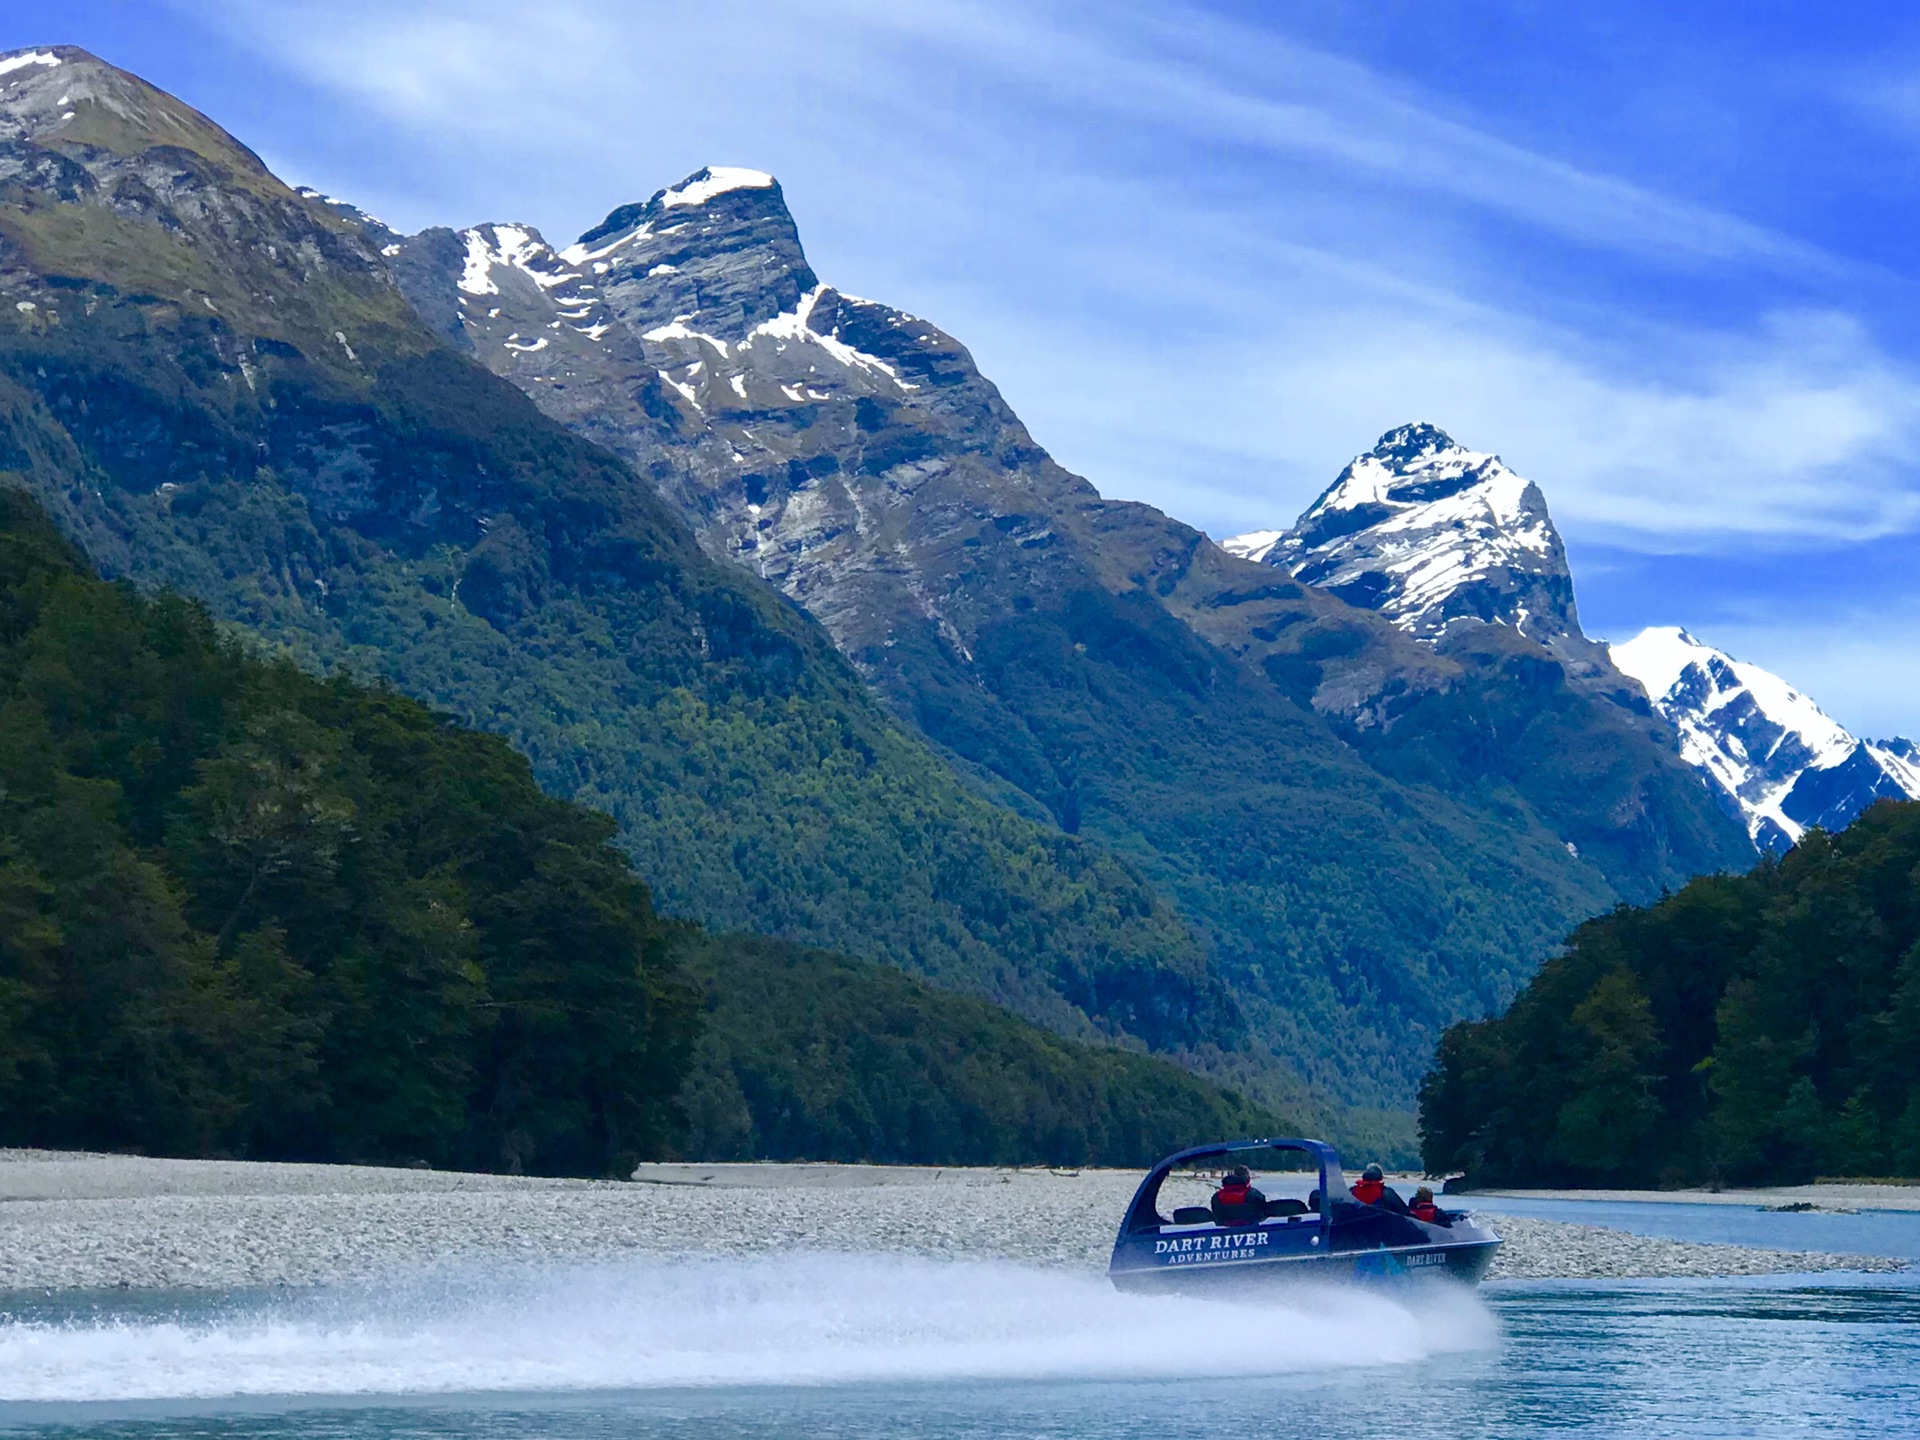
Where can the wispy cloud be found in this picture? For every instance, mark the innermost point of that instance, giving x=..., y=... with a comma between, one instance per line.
x=1207, y=262
x=565, y=73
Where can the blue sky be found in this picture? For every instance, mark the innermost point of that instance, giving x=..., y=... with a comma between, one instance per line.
x=1662, y=262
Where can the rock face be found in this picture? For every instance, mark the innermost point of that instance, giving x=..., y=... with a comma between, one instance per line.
x=1435, y=537
x=1446, y=541
x=215, y=384
x=1307, y=781
x=1779, y=759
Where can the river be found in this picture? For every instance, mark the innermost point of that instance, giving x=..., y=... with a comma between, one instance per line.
x=850, y=1347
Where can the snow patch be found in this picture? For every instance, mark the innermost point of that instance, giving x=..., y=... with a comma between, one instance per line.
x=476, y=277
x=712, y=181
x=579, y=254
x=797, y=325
x=32, y=57
x=676, y=329
x=686, y=391
x=1253, y=545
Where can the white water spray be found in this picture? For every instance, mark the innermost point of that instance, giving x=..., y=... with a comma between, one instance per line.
x=793, y=1320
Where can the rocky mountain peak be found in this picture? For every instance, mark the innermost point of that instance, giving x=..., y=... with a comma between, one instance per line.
x=1782, y=764
x=717, y=254
x=1435, y=537
x=1409, y=443
x=112, y=183
x=71, y=102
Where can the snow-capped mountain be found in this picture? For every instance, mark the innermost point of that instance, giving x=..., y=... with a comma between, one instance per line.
x=1434, y=536
x=1437, y=537
x=1093, y=661
x=1783, y=762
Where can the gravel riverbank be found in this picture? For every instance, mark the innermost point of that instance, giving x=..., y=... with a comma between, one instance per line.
x=86, y=1222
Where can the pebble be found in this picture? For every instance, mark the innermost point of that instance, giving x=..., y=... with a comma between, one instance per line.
x=100, y=1222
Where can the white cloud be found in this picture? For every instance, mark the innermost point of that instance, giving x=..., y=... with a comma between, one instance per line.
x=1799, y=429
x=568, y=74
x=1208, y=265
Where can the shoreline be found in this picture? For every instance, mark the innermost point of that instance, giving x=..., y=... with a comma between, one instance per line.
x=72, y=1222
x=1836, y=1195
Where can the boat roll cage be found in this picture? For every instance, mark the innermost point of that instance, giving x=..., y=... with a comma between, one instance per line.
x=1144, y=1212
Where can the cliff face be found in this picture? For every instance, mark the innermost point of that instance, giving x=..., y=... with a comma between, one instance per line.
x=1265, y=750
x=1781, y=763
x=215, y=384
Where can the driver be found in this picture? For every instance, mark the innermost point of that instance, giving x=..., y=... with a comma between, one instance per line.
x=1236, y=1202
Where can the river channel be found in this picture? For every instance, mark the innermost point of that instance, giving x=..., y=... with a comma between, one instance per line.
x=865, y=1346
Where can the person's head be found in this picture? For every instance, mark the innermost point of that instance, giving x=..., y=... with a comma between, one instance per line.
x=1239, y=1175
x=1423, y=1196
x=1373, y=1172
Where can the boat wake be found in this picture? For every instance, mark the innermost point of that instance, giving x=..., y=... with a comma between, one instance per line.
x=795, y=1320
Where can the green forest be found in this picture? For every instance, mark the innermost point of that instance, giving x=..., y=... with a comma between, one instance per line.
x=807, y=1055
x=379, y=505
x=245, y=911
x=1760, y=1028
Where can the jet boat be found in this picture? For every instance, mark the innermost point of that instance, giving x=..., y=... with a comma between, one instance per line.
x=1330, y=1235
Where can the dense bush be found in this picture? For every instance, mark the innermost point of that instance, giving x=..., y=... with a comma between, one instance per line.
x=245, y=911
x=812, y=1056
x=249, y=912
x=1764, y=1027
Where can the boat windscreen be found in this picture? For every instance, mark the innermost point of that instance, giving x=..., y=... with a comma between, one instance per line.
x=1183, y=1184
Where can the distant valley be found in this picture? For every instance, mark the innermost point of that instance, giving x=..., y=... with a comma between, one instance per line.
x=1263, y=752
x=775, y=577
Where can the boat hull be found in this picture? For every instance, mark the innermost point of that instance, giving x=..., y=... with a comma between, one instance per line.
x=1462, y=1263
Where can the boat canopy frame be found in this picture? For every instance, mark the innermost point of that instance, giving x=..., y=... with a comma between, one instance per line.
x=1144, y=1212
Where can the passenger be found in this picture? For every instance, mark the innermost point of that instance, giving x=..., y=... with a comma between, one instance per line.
x=1423, y=1208
x=1373, y=1189
x=1371, y=1185
x=1236, y=1202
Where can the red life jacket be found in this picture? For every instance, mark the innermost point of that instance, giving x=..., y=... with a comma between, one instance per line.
x=1232, y=1194
x=1426, y=1210
x=1368, y=1192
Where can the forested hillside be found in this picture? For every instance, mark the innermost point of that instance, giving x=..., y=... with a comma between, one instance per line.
x=1371, y=837
x=246, y=911
x=214, y=387
x=1759, y=1028
x=806, y=1055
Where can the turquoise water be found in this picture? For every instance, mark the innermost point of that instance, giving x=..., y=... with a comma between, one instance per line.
x=868, y=1346
x=1871, y=1232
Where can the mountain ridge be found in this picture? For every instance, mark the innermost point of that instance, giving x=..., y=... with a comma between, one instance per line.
x=1062, y=646
x=1781, y=762
x=216, y=385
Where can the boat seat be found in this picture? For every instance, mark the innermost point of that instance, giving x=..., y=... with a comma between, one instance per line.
x=1193, y=1215
x=1286, y=1205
